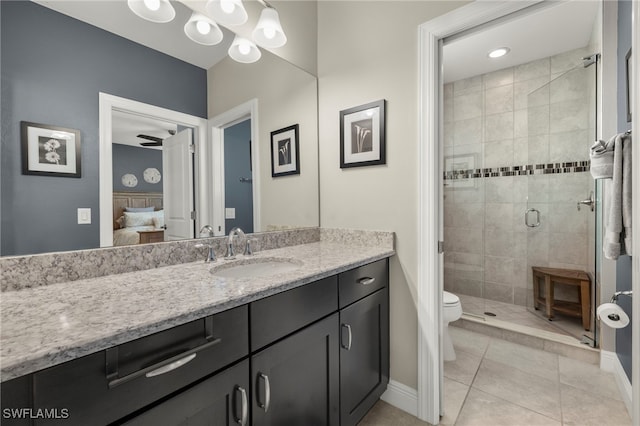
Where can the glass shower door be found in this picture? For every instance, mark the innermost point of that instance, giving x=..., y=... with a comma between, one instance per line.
x=558, y=219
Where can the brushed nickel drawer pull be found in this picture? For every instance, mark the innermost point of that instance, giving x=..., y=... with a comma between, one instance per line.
x=366, y=280
x=267, y=392
x=348, y=345
x=242, y=421
x=170, y=367
x=157, y=369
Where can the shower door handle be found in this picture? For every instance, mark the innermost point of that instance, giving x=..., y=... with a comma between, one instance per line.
x=526, y=218
x=588, y=202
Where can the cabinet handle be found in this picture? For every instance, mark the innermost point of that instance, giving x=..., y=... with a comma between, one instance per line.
x=242, y=421
x=348, y=346
x=366, y=280
x=170, y=367
x=161, y=367
x=267, y=392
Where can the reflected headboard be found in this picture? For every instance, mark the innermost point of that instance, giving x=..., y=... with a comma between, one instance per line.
x=134, y=199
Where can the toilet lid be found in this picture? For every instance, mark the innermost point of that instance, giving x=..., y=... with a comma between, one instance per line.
x=449, y=298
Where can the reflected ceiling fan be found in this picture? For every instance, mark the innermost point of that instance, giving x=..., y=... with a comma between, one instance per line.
x=155, y=141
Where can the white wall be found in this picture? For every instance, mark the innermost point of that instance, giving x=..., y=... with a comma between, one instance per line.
x=286, y=96
x=368, y=50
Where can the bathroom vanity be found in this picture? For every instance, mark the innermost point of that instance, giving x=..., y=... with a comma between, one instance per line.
x=308, y=346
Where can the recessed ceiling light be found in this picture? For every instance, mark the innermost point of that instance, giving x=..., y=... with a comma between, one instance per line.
x=499, y=52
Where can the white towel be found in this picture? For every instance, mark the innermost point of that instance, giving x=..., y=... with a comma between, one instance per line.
x=618, y=226
x=601, y=155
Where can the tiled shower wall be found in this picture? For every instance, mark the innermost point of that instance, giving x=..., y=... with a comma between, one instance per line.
x=537, y=117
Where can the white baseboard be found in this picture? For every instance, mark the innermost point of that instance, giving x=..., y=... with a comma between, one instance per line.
x=609, y=362
x=402, y=397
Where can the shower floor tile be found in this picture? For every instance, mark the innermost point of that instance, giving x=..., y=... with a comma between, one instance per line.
x=517, y=314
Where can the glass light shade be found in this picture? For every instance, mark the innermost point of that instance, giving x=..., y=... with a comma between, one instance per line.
x=227, y=12
x=147, y=10
x=244, y=51
x=203, y=30
x=268, y=31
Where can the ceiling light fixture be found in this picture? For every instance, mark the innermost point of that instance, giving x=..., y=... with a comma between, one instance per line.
x=499, y=52
x=158, y=11
x=268, y=32
x=203, y=30
x=244, y=51
x=227, y=12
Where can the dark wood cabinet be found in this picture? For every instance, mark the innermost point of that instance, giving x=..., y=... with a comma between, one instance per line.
x=364, y=355
x=106, y=386
x=222, y=400
x=317, y=354
x=296, y=381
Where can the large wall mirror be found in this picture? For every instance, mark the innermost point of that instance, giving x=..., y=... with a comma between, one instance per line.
x=64, y=62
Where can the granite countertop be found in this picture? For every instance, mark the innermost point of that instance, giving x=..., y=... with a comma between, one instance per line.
x=49, y=325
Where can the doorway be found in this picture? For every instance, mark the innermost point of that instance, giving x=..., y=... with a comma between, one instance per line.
x=238, y=180
x=110, y=105
x=432, y=165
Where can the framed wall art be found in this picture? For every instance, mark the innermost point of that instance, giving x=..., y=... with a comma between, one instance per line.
x=50, y=150
x=285, y=152
x=362, y=135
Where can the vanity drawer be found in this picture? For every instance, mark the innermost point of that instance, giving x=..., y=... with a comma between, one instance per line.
x=106, y=386
x=359, y=282
x=281, y=314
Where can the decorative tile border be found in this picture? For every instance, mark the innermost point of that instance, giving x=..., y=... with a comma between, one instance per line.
x=526, y=170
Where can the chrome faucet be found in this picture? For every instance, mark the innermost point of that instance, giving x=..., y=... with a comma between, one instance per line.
x=231, y=254
x=211, y=255
x=208, y=229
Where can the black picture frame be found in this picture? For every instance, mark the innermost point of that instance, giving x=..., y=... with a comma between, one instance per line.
x=362, y=135
x=629, y=70
x=285, y=151
x=50, y=150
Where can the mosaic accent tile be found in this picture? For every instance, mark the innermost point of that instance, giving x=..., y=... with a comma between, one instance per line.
x=525, y=170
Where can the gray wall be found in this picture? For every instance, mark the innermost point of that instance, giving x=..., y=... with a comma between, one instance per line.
x=239, y=195
x=623, y=265
x=131, y=159
x=53, y=68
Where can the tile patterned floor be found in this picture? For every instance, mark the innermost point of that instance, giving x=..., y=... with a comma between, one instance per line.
x=494, y=382
x=517, y=314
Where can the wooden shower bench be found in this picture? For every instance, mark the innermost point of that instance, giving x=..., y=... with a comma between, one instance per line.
x=552, y=276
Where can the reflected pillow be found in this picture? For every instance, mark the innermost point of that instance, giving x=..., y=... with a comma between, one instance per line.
x=139, y=209
x=120, y=221
x=158, y=220
x=138, y=219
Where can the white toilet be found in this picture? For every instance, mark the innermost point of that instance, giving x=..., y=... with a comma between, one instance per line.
x=452, y=311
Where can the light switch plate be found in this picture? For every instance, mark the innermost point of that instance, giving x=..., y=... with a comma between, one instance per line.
x=84, y=216
x=230, y=213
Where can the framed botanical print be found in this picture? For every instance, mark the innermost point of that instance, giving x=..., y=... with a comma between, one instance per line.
x=50, y=150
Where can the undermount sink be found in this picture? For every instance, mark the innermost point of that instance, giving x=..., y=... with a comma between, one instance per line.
x=255, y=267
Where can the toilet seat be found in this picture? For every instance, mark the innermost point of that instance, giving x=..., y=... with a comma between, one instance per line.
x=450, y=298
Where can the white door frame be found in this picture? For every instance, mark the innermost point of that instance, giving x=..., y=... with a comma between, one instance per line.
x=635, y=271
x=108, y=104
x=216, y=126
x=430, y=280
x=430, y=283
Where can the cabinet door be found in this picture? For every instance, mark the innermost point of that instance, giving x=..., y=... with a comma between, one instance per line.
x=222, y=400
x=295, y=381
x=364, y=355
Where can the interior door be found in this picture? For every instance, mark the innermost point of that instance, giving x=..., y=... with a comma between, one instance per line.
x=177, y=164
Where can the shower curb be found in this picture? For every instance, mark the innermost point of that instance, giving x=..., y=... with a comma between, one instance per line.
x=539, y=339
